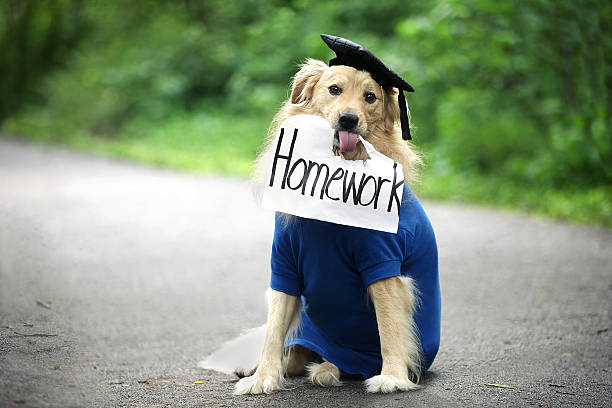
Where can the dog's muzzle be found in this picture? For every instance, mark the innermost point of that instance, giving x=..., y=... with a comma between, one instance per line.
x=347, y=123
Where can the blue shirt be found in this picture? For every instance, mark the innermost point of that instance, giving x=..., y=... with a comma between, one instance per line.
x=330, y=266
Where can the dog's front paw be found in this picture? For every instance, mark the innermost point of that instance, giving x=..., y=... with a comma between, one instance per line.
x=257, y=385
x=388, y=383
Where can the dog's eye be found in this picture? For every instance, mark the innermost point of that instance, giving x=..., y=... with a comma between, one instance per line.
x=370, y=97
x=334, y=90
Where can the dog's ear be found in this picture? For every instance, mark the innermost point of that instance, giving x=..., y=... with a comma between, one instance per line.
x=392, y=111
x=305, y=80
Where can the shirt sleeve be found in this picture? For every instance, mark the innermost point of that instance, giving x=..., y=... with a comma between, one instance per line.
x=284, y=276
x=381, y=255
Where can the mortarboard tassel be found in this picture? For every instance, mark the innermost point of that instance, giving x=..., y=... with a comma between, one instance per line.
x=401, y=100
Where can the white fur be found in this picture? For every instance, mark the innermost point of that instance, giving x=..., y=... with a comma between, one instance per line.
x=324, y=375
x=283, y=312
x=388, y=383
x=243, y=351
x=256, y=385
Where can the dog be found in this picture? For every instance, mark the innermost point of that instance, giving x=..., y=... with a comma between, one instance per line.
x=356, y=105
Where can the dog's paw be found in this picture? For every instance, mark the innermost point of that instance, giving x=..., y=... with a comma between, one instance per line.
x=325, y=374
x=257, y=385
x=388, y=383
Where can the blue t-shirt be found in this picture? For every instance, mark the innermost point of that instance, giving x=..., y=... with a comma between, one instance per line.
x=330, y=266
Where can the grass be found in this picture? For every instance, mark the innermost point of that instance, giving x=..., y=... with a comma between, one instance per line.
x=204, y=143
x=591, y=206
x=220, y=143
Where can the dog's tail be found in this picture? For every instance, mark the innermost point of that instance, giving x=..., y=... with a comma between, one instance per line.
x=240, y=353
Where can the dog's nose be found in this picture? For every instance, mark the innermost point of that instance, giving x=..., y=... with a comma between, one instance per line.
x=348, y=121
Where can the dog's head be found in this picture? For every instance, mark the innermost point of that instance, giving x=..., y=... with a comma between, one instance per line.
x=350, y=100
x=354, y=104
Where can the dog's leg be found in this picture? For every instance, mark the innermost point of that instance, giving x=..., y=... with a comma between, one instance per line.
x=296, y=359
x=282, y=312
x=324, y=374
x=395, y=301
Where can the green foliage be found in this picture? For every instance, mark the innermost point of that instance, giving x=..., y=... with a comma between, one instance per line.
x=590, y=205
x=474, y=133
x=213, y=142
x=35, y=37
x=530, y=79
x=510, y=96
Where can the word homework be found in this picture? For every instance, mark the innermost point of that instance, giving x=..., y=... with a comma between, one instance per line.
x=306, y=179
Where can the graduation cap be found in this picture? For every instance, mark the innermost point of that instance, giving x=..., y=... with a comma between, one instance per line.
x=354, y=55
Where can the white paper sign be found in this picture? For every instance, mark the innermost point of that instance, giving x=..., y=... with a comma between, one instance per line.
x=306, y=179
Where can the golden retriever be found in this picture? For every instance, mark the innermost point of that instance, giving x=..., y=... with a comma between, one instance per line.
x=352, y=102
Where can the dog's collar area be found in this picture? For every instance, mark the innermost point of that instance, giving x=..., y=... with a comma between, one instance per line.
x=354, y=55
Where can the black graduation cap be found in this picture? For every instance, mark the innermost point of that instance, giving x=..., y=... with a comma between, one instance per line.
x=354, y=55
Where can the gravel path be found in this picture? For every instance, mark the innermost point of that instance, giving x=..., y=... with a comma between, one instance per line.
x=134, y=274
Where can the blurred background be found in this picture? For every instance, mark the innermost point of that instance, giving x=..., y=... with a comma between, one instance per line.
x=512, y=104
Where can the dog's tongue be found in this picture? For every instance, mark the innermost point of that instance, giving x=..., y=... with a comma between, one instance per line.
x=348, y=141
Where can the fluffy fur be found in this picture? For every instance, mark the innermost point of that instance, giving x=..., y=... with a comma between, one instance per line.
x=324, y=374
x=283, y=311
x=395, y=298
